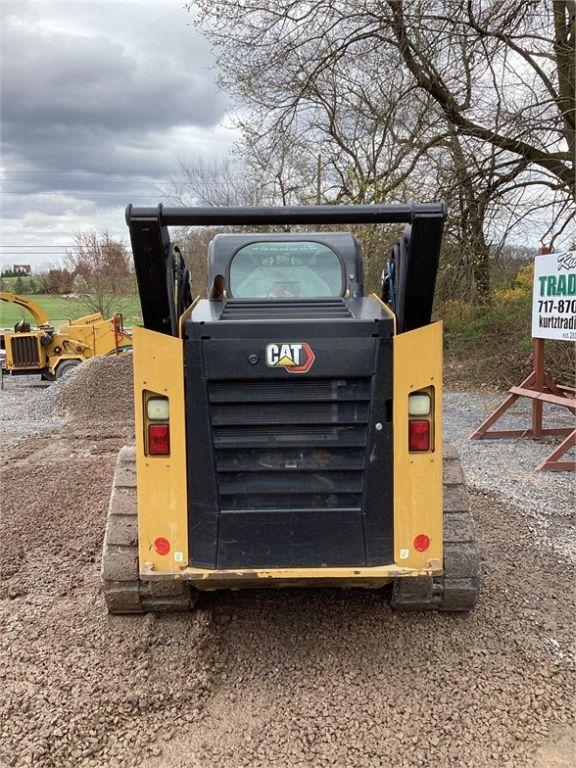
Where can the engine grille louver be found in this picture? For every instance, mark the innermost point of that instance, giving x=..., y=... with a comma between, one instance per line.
x=290, y=445
x=24, y=351
x=284, y=309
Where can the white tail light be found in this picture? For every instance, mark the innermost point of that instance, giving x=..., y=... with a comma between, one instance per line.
x=419, y=404
x=157, y=409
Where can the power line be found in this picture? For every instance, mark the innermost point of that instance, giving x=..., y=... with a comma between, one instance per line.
x=88, y=181
x=87, y=195
x=24, y=257
x=143, y=171
x=45, y=245
x=45, y=232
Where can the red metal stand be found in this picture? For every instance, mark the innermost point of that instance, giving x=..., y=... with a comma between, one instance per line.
x=539, y=388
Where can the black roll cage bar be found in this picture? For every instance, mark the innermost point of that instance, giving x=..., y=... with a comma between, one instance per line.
x=162, y=276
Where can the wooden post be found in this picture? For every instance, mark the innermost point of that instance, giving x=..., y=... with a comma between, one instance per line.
x=537, y=405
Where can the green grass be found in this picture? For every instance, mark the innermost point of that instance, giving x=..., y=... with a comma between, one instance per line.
x=60, y=309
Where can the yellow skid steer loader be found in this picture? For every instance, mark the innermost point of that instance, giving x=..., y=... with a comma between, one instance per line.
x=289, y=427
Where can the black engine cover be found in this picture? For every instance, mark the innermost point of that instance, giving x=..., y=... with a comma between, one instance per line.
x=289, y=433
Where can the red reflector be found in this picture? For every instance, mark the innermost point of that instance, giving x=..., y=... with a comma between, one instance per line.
x=419, y=435
x=158, y=439
x=162, y=546
x=421, y=542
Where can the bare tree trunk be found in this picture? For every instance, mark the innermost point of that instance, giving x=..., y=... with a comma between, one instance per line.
x=480, y=258
x=473, y=211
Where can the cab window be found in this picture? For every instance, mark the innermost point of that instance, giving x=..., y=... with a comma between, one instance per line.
x=286, y=270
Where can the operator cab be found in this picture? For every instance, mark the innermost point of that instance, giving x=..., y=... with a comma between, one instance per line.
x=308, y=266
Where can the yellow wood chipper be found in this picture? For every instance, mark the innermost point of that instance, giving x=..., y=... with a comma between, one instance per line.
x=53, y=352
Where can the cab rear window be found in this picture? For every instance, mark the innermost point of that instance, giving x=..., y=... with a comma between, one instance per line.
x=286, y=270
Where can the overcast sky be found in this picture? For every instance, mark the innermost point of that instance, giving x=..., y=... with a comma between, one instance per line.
x=100, y=100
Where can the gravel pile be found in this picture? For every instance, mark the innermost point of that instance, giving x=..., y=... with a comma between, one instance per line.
x=101, y=389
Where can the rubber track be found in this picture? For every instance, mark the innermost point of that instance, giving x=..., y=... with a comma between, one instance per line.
x=123, y=590
x=459, y=588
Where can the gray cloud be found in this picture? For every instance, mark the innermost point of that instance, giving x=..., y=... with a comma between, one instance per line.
x=92, y=82
x=99, y=100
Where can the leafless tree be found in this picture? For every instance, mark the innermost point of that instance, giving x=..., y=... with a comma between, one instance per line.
x=387, y=93
x=228, y=182
x=502, y=73
x=102, y=271
x=194, y=243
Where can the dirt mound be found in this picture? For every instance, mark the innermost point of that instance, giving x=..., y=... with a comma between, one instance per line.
x=99, y=390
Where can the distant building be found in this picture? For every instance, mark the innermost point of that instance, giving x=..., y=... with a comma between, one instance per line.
x=22, y=269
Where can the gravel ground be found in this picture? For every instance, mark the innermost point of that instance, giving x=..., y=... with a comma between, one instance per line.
x=508, y=466
x=26, y=404
x=307, y=678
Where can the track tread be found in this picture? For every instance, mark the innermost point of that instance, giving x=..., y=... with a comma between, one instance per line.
x=458, y=527
x=459, y=587
x=124, y=591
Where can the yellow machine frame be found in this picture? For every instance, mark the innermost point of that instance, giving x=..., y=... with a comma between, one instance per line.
x=162, y=492
x=39, y=315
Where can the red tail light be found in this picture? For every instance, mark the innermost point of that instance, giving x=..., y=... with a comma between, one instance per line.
x=419, y=435
x=158, y=439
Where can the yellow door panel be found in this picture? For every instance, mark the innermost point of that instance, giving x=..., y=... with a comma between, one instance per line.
x=162, y=497
x=418, y=475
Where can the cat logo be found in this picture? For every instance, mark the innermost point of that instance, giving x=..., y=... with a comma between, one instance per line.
x=294, y=358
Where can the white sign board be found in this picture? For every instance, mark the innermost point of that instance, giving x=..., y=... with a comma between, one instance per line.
x=554, y=297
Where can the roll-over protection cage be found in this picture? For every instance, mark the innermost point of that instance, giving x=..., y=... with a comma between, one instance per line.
x=163, y=280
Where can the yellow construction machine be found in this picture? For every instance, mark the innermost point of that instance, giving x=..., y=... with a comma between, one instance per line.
x=289, y=427
x=53, y=352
